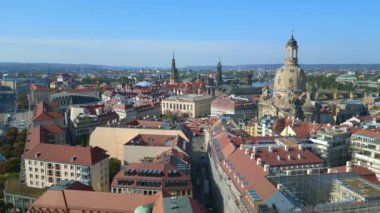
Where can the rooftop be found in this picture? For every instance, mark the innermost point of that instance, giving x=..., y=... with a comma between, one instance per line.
x=361, y=186
x=13, y=186
x=189, y=98
x=66, y=154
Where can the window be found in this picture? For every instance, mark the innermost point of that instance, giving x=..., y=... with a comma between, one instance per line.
x=30, y=169
x=72, y=174
x=31, y=182
x=31, y=176
x=30, y=162
x=41, y=163
x=65, y=166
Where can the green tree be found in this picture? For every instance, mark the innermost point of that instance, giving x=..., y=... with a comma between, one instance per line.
x=22, y=102
x=114, y=167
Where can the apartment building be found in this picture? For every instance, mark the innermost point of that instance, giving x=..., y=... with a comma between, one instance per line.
x=365, y=150
x=48, y=164
x=151, y=178
x=332, y=145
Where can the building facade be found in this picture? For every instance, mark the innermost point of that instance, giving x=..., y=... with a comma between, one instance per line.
x=48, y=164
x=365, y=150
x=191, y=105
x=151, y=178
x=332, y=145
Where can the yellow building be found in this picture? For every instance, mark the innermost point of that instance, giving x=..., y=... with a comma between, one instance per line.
x=251, y=128
x=190, y=104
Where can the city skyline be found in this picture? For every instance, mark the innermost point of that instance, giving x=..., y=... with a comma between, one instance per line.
x=146, y=33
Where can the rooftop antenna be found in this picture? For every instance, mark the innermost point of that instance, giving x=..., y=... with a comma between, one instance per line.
x=292, y=33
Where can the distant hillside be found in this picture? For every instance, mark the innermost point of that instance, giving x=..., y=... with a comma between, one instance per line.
x=309, y=67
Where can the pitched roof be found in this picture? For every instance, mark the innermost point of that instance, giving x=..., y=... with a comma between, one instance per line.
x=42, y=134
x=77, y=201
x=66, y=154
x=281, y=157
x=368, y=133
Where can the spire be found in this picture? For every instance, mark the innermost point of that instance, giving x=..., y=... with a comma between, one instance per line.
x=173, y=56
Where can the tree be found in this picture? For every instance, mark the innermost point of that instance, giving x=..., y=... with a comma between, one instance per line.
x=114, y=167
x=22, y=102
x=169, y=116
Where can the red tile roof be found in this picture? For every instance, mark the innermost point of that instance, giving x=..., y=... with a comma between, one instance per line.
x=38, y=88
x=42, y=134
x=250, y=172
x=271, y=158
x=79, y=201
x=164, y=167
x=368, y=133
x=66, y=154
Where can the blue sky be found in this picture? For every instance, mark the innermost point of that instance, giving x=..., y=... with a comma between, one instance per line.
x=144, y=33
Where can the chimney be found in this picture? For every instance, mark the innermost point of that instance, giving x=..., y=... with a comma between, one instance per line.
x=286, y=147
x=254, y=150
x=299, y=156
x=270, y=148
x=300, y=147
x=241, y=146
x=252, y=156
x=259, y=161
x=278, y=157
x=329, y=170
x=288, y=172
x=246, y=151
x=289, y=157
x=348, y=166
x=266, y=168
x=279, y=186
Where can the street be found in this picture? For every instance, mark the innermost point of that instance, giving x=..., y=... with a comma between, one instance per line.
x=200, y=173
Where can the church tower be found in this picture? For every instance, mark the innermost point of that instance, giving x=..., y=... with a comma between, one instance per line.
x=291, y=52
x=290, y=77
x=173, y=73
x=219, y=77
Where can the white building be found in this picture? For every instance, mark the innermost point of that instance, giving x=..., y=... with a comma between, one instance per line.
x=365, y=150
x=332, y=145
x=48, y=164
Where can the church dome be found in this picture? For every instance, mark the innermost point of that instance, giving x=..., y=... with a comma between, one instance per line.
x=290, y=77
x=143, y=209
x=292, y=42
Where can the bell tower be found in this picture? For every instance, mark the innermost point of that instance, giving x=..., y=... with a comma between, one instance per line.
x=291, y=52
x=173, y=73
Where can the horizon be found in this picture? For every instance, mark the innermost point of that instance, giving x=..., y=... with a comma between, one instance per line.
x=144, y=34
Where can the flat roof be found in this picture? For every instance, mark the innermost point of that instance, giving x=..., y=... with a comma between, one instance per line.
x=13, y=186
x=188, y=98
x=361, y=186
